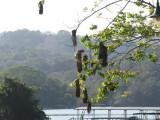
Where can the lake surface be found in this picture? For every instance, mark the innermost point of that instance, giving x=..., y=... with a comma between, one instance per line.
x=60, y=112
x=66, y=114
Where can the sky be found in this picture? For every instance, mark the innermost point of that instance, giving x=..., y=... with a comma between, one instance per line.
x=58, y=15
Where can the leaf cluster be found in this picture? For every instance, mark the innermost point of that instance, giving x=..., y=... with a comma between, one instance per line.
x=17, y=101
x=127, y=39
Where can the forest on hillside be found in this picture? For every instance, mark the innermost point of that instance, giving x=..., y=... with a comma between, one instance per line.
x=47, y=60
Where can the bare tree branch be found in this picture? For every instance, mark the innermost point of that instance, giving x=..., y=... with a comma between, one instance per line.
x=148, y=3
x=114, y=18
x=96, y=12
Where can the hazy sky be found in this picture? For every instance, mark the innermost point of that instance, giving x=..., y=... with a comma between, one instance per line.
x=58, y=14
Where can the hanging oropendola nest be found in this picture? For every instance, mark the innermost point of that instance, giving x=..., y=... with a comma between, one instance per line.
x=74, y=40
x=103, y=54
x=77, y=88
x=81, y=50
x=88, y=107
x=79, y=60
x=94, y=71
x=84, y=78
x=84, y=95
x=40, y=5
x=104, y=89
x=92, y=64
x=85, y=58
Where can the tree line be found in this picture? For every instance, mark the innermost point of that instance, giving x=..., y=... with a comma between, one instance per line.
x=53, y=72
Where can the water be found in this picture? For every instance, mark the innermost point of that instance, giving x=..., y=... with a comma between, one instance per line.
x=63, y=114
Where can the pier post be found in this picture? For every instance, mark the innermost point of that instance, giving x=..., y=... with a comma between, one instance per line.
x=125, y=114
x=77, y=114
x=93, y=113
x=109, y=114
x=141, y=111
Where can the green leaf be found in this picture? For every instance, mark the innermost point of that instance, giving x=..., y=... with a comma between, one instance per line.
x=152, y=57
x=85, y=9
x=93, y=27
x=101, y=74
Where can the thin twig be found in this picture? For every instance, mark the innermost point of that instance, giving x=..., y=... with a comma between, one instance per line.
x=148, y=3
x=114, y=19
x=96, y=12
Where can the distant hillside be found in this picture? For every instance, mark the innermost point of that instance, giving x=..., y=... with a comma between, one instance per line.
x=59, y=43
x=42, y=59
x=45, y=51
x=52, y=94
x=27, y=74
x=52, y=55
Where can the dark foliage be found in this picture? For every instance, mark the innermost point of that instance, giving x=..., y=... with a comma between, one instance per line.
x=18, y=102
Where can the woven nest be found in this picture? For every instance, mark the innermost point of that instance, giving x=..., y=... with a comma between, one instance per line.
x=104, y=89
x=102, y=54
x=88, y=107
x=92, y=64
x=94, y=71
x=74, y=40
x=84, y=78
x=40, y=4
x=77, y=88
x=79, y=60
x=79, y=66
x=85, y=58
x=85, y=96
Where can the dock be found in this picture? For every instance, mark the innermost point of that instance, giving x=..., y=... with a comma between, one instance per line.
x=141, y=113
